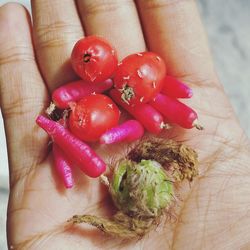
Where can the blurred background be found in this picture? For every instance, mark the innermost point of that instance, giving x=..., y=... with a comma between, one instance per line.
x=227, y=24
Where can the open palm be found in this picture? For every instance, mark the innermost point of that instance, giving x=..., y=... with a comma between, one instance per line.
x=212, y=213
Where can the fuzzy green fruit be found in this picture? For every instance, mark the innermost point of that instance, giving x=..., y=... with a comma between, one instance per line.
x=141, y=189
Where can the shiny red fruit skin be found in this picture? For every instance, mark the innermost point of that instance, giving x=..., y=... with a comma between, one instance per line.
x=144, y=73
x=92, y=116
x=94, y=59
x=175, y=111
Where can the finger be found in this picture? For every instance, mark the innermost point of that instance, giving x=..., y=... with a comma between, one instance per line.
x=56, y=29
x=117, y=21
x=174, y=30
x=22, y=92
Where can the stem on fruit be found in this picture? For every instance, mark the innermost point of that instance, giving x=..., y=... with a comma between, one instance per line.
x=197, y=125
x=127, y=93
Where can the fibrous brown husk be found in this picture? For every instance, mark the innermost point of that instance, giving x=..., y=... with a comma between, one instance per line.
x=120, y=225
x=180, y=160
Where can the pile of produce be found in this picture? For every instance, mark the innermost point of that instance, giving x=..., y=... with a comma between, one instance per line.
x=142, y=184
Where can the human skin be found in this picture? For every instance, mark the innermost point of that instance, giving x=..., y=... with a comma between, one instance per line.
x=212, y=213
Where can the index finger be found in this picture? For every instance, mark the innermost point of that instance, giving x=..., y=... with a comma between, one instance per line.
x=56, y=28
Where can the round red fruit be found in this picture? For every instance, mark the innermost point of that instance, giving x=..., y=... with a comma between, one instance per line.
x=94, y=59
x=92, y=116
x=139, y=77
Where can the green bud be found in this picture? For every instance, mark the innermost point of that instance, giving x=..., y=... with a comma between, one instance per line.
x=141, y=189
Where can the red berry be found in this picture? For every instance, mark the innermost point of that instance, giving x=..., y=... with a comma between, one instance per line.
x=92, y=116
x=94, y=59
x=172, y=87
x=149, y=117
x=176, y=112
x=77, y=151
x=139, y=77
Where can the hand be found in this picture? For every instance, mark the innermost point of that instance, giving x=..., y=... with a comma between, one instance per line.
x=213, y=211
